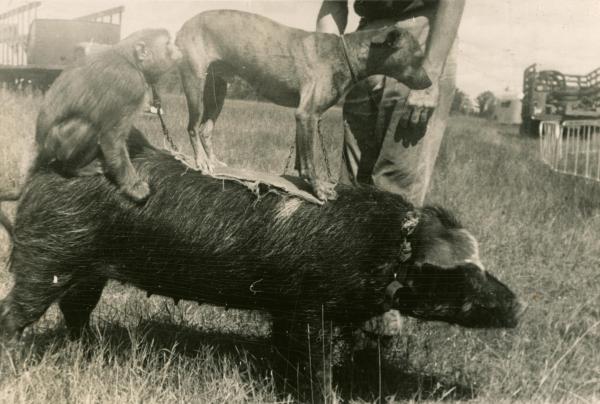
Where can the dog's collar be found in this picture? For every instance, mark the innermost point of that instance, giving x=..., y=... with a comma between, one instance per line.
x=345, y=51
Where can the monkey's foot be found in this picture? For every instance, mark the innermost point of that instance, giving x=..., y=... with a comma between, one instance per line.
x=324, y=190
x=138, y=192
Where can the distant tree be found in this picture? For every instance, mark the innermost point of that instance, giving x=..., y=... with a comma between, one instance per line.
x=486, y=102
x=461, y=104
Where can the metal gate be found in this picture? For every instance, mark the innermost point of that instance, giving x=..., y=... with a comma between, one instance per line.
x=572, y=147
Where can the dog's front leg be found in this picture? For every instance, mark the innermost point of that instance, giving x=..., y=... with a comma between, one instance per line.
x=307, y=121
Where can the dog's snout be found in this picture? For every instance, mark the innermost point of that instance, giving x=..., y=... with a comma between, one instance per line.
x=421, y=80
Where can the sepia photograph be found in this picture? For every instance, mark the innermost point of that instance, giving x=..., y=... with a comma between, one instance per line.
x=299, y=201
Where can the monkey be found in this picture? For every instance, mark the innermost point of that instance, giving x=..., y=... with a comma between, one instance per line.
x=87, y=114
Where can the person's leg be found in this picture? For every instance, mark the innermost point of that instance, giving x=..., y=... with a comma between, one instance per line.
x=408, y=155
x=361, y=147
x=365, y=114
x=368, y=109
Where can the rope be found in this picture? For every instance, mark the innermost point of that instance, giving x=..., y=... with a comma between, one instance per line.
x=323, y=149
x=158, y=105
x=329, y=176
x=289, y=159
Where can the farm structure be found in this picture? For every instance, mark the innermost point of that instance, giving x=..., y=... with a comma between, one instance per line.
x=550, y=95
x=508, y=109
x=564, y=110
x=33, y=51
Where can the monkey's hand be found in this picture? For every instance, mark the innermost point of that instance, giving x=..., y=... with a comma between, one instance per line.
x=139, y=191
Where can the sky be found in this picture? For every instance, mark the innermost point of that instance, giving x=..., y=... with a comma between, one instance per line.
x=498, y=38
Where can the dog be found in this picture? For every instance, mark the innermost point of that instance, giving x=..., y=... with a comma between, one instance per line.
x=309, y=71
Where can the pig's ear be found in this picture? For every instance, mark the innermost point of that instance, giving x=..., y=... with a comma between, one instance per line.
x=440, y=240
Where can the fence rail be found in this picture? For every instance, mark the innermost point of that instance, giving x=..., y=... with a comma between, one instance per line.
x=14, y=28
x=572, y=147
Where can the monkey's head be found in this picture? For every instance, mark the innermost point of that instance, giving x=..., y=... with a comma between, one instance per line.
x=154, y=52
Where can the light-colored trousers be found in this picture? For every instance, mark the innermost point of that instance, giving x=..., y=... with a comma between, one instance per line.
x=377, y=150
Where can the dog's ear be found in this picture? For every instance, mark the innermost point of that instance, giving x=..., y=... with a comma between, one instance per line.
x=440, y=240
x=388, y=37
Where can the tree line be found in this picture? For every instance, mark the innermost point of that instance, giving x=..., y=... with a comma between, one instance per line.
x=484, y=104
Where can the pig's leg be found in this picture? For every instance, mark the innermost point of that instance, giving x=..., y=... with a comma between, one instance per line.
x=78, y=303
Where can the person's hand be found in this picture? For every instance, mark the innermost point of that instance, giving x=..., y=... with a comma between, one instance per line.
x=419, y=106
x=414, y=115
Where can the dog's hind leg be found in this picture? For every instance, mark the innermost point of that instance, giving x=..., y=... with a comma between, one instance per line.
x=78, y=303
x=215, y=89
x=192, y=83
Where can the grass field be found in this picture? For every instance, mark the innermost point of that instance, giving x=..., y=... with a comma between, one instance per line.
x=539, y=232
